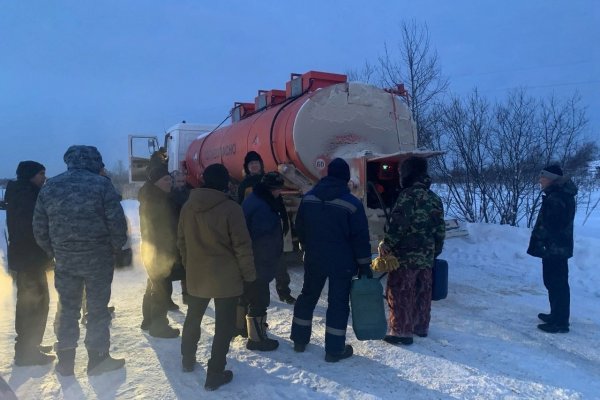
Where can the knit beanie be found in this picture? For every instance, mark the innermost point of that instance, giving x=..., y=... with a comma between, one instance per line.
x=338, y=168
x=272, y=180
x=216, y=177
x=28, y=169
x=552, y=172
x=157, y=173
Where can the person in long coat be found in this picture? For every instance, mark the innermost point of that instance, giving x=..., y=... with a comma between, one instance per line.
x=552, y=241
x=30, y=263
x=158, y=223
x=217, y=252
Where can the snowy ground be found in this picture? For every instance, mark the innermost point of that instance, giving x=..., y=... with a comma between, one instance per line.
x=483, y=342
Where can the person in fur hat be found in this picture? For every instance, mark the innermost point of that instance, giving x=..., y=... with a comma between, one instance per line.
x=415, y=236
x=254, y=170
x=261, y=210
x=30, y=263
x=552, y=241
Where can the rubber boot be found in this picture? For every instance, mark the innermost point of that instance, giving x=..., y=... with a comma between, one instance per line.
x=240, y=321
x=99, y=363
x=66, y=362
x=257, y=335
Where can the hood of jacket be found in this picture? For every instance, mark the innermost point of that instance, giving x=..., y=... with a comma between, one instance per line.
x=563, y=184
x=205, y=199
x=330, y=188
x=83, y=157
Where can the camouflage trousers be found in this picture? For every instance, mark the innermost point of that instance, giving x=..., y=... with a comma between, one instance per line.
x=408, y=294
x=72, y=274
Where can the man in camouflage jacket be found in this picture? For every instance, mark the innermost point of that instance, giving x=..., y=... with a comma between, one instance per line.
x=78, y=220
x=552, y=241
x=415, y=236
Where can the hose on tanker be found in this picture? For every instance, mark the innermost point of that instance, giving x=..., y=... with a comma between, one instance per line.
x=289, y=101
x=208, y=134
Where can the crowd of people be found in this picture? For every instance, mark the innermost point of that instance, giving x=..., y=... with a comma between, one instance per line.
x=228, y=249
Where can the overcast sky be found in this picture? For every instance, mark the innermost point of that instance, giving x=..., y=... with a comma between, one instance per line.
x=92, y=72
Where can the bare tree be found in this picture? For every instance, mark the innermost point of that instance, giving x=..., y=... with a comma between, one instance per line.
x=417, y=67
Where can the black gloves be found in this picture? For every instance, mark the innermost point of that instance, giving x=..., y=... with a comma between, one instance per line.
x=365, y=269
x=123, y=258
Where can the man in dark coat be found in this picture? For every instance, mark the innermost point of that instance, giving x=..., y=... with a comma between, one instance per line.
x=254, y=170
x=78, y=220
x=552, y=241
x=261, y=210
x=158, y=224
x=30, y=263
x=333, y=230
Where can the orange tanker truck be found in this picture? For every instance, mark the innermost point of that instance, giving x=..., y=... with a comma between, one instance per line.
x=297, y=131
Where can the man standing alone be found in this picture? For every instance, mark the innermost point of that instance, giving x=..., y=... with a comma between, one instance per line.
x=79, y=220
x=30, y=263
x=552, y=241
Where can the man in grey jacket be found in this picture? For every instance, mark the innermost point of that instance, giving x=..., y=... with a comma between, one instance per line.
x=79, y=221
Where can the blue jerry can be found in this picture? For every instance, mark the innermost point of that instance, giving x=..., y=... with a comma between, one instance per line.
x=368, y=314
x=439, y=280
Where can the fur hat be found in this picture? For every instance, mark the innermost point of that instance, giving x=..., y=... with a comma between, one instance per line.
x=414, y=167
x=216, y=177
x=157, y=173
x=252, y=156
x=272, y=180
x=338, y=168
x=28, y=169
x=552, y=171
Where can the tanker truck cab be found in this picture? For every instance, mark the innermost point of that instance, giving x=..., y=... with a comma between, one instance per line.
x=176, y=142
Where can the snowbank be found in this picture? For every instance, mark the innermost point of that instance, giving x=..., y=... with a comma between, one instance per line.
x=483, y=342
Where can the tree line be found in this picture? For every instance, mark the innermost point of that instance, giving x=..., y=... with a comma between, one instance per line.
x=493, y=149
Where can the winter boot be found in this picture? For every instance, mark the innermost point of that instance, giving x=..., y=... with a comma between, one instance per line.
x=35, y=357
x=163, y=330
x=241, y=328
x=46, y=349
x=299, y=347
x=214, y=380
x=188, y=364
x=348, y=351
x=553, y=328
x=547, y=318
x=99, y=363
x=398, y=340
x=66, y=362
x=257, y=335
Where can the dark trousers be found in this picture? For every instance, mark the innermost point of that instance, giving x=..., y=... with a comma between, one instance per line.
x=32, y=310
x=338, y=310
x=260, y=299
x=155, y=301
x=282, y=279
x=408, y=294
x=556, y=280
x=225, y=310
